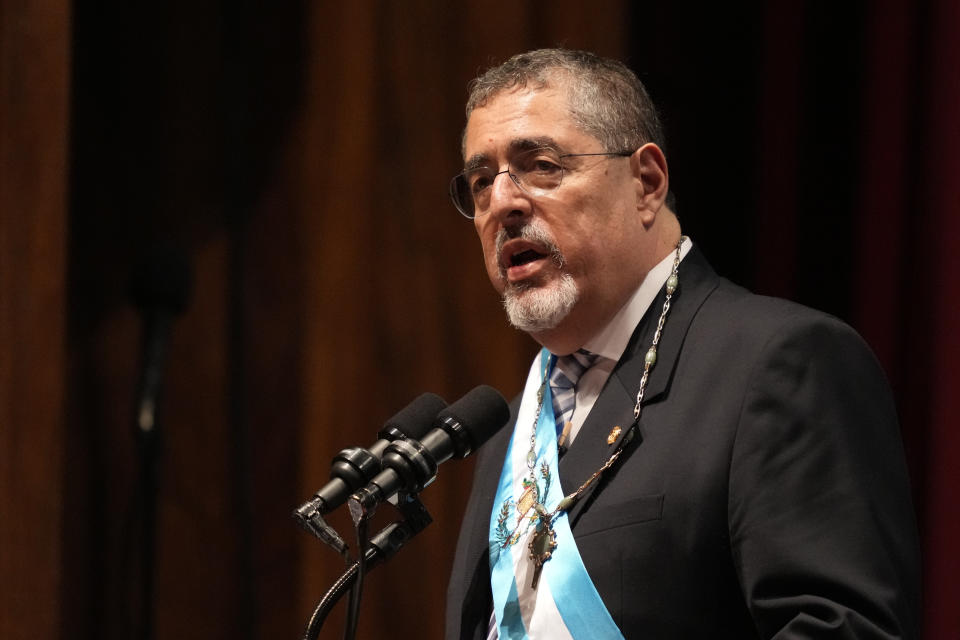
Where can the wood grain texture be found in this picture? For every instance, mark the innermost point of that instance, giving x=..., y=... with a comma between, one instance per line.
x=33, y=227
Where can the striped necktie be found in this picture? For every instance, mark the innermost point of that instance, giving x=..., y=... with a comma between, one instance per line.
x=563, y=383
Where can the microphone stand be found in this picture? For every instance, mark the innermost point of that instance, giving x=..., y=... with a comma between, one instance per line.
x=149, y=481
x=149, y=442
x=383, y=546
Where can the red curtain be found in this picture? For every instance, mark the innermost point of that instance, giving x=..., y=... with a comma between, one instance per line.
x=908, y=280
x=902, y=229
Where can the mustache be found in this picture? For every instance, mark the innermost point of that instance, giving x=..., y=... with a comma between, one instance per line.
x=533, y=232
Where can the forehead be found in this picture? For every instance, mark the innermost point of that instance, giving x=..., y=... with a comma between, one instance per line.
x=520, y=118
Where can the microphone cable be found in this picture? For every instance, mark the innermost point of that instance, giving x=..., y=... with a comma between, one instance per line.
x=356, y=592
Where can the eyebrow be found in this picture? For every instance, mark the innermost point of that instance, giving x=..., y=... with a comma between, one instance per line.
x=526, y=144
x=520, y=144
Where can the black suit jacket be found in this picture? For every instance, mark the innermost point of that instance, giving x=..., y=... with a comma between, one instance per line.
x=766, y=495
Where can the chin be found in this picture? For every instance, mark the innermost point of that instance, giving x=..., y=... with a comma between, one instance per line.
x=534, y=309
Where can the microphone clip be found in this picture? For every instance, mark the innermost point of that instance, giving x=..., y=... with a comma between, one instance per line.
x=308, y=515
x=411, y=461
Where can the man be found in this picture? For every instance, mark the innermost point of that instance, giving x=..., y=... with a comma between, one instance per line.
x=687, y=460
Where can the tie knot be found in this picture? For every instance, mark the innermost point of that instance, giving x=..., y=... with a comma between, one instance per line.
x=569, y=368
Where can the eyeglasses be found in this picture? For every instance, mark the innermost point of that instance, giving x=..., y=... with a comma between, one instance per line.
x=537, y=172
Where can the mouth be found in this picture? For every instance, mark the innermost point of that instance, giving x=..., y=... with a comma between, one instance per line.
x=526, y=257
x=521, y=259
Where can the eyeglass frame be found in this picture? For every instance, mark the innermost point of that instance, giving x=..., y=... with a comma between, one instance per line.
x=516, y=180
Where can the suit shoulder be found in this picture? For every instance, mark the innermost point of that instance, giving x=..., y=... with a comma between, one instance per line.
x=756, y=315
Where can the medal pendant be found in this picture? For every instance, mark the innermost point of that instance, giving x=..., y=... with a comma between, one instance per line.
x=541, y=548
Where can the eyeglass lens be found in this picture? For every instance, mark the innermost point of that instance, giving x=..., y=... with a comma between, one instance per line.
x=536, y=171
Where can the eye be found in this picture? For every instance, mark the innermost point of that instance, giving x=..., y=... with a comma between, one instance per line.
x=479, y=179
x=544, y=165
x=539, y=161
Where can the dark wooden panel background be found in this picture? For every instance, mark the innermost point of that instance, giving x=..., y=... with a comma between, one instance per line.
x=299, y=155
x=34, y=143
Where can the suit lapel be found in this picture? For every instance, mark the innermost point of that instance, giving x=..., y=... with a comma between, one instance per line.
x=614, y=405
x=697, y=281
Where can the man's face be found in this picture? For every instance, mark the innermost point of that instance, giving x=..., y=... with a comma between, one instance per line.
x=563, y=260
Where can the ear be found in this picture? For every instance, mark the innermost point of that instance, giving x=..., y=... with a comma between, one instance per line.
x=652, y=181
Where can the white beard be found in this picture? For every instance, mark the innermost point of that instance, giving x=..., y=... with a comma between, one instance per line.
x=534, y=309
x=531, y=307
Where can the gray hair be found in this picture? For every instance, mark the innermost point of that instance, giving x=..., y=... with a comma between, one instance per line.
x=606, y=98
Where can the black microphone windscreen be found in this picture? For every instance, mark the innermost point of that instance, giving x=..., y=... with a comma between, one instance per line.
x=162, y=280
x=415, y=419
x=482, y=412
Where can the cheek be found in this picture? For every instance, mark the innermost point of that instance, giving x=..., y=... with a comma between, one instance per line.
x=487, y=233
x=488, y=244
x=586, y=248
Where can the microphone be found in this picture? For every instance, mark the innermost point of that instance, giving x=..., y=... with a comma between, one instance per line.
x=353, y=467
x=411, y=465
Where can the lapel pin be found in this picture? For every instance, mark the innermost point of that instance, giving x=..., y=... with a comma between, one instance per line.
x=614, y=434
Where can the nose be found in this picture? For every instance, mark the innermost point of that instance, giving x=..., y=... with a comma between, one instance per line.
x=507, y=200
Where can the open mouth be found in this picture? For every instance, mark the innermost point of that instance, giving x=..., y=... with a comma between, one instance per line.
x=525, y=257
x=522, y=262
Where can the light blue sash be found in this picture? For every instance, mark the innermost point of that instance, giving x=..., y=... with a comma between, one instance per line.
x=565, y=603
